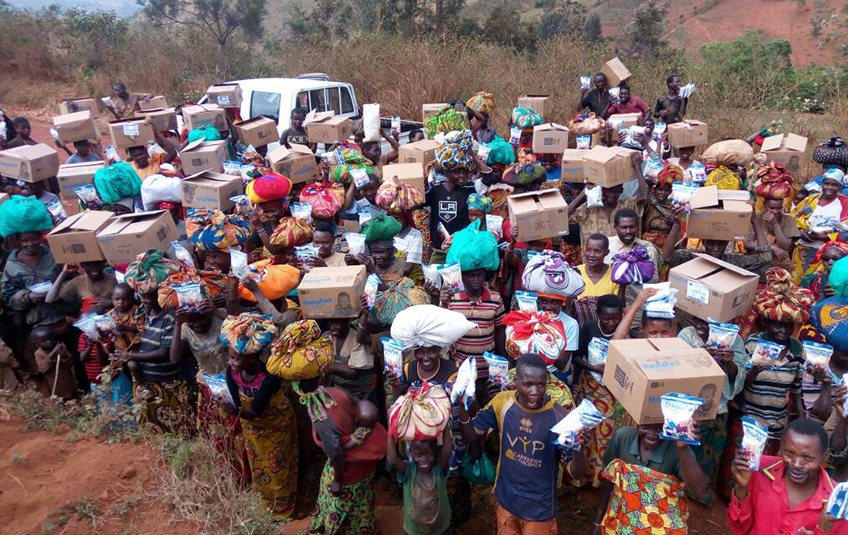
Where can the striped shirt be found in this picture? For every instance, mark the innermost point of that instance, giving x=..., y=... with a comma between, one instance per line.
x=487, y=312
x=767, y=398
x=157, y=333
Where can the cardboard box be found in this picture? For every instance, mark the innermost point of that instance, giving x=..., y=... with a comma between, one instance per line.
x=201, y=155
x=688, y=133
x=211, y=190
x=349, y=225
x=719, y=214
x=332, y=292
x=406, y=173
x=77, y=126
x=616, y=72
x=30, y=163
x=5, y=197
x=129, y=235
x=202, y=116
x=74, y=240
x=550, y=138
x=543, y=104
x=639, y=371
x=153, y=103
x=627, y=120
x=134, y=132
x=572, y=165
x=259, y=131
x=609, y=166
x=712, y=288
x=73, y=105
x=297, y=163
x=326, y=128
x=538, y=214
x=164, y=119
x=224, y=95
x=431, y=109
x=74, y=175
x=788, y=149
x=421, y=152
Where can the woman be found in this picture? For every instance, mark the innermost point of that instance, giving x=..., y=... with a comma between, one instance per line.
x=597, y=276
x=815, y=217
x=824, y=259
x=658, y=220
x=479, y=107
x=266, y=415
x=353, y=362
x=268, y=192
x=399, y=200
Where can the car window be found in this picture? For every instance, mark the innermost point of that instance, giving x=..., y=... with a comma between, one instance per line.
x=262, y=103
x=303, y=100
x=334, y=99
x=316, y=100
x=347, y=101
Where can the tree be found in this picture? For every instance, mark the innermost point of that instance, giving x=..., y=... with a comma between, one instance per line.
x=644, y=33
x=567, y=18
x=592, y=30
x=219, y=19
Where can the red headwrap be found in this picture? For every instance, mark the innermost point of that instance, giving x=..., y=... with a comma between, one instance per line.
x=838, y=244
x=773, y=182
x=669, y=175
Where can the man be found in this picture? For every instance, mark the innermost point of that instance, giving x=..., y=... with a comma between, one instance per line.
x=628, y=104
x=596, y=100
x=122, y=104
x=86, y=152
x=781, y=233
x=526, y=480
x=787, y=494
x=626, y=227
x=670, y=106
x=323, y=239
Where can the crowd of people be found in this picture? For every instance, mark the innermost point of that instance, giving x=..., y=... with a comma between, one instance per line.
x=279, y=391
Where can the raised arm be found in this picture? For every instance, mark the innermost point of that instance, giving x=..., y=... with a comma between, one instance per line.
x=678, y=213
x=622, y=332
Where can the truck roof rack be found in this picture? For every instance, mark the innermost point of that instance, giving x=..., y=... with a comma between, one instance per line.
x=314, y=76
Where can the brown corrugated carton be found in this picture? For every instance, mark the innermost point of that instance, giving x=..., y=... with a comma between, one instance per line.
x=201, y=155
x=73, y=175
x=709, y=288
x=639, y=371
x=259, y=131
x=73, y=105
x=153, y=103
x=297, y=163
x=538, y=214
x=129, y=235
x=30, y=163
x=203, y=116
x=74, y=240
x=572, y=165
x=788, y=149
x=135, y=132
x=719, y=214
x=225, y=95
x=616, y=72
x=550, y=138
x=688, y=133
x=609, y=166
x=326, y=127
x=431, y=109
x=77, y=126
x=421, y=152
x=211, y=190
x=543, y=104
x=408, y=173
x=164, y=119
x=332, y=292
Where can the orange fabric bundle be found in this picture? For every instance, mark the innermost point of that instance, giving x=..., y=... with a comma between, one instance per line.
x=277, y=280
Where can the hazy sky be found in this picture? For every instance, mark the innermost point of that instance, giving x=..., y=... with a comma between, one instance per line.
x=121, y=7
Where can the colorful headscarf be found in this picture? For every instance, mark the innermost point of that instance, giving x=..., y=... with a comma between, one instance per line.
x=248, y=333
x=479, y=202
x=669, y=174
x=396, y=197
x=447, y=120
x=326, y=198
x=273, y=280
x=723, y=178
x=534, y=332
x=482, y=102
x=525, y=118
x=773, y=182
x=455, y=152
x=117, y=181
x=830, y=318
x=291, y=232
x=23, y=214
x=474, y=249
x=212, y=284
x=782, y=301
x=149, y=270
x=398, y=296
x=522, y=174
x=345, y=159
x=213, y=230
x=834, y=174
x=268, y=187
x=301, y=352
x=380, y=227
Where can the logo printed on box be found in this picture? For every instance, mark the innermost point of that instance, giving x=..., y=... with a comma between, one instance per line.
x=622, y=380
x=131, y=130
x=162, y=234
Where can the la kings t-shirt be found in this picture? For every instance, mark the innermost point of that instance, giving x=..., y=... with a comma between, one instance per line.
x=448, y=207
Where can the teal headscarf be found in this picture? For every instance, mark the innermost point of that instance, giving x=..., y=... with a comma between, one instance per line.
x=474, y=249
x=838, y=278
x=116, y=182
x=23, y=214
x=208, y=133
x=500, y=152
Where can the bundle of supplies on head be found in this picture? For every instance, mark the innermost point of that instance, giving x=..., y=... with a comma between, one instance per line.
x=550, y=275
x=420, y=414
x=534, y=332
x=661, y=304
x=632, y=267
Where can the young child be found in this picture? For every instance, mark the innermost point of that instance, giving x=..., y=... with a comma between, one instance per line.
x=129, y=319
x=296, y=133
x=416, y=135
x=425, y=494
x=367, y=416
x=55, y=362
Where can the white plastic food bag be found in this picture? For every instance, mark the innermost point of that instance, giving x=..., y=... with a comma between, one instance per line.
x=371, y=122
x=585, y=416
x=465, y=383
x=429, y=326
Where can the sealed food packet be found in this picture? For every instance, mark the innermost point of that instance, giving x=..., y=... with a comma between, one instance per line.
x=182, y=254
x=483, y=152
x=527, y=301
x=465, y=384
x=57, y=211
x=585, y=416
x=304, y=253
x=498, y=368
x=363, y=217
x=593, y=196
x=243, y=205
x=661, y=305
x=766, y=353
x=189, y=295
x=88, y=195
x=698, y=172
x=660, y=128
x=753, y=441
x=238, y=264
x=452, y=277
x=395, y=126
x=217, y=384
x=494, y=224
x=431, y=274
x=722, y=336
x=514, y=135
x=40, y=287
x=677, y=410
x=393, y=355
x=837, y=504
x=682, y=192
x=816, y=354
x=443, y=232
x=105, y=323
x=360, y=178
x=597, y=355
x=585, y=83
x=372, y=283
x=302, y=210
x=88, y=326
x=355, y=243
x=584, y=142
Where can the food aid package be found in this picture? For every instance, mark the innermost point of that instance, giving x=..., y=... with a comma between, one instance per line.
x=659, y=129
x=371, y=122
x=766, y=353
x=452, y=277
x=40, y=287
x=722, y=336
x=514, y=136
x=816, y=354
x=837, y=504
x=104, y=323
x=653, y=168
x=754, y=440
x=364, y=216
x=238, y=264
x=593, y=196
x=88, y=195
x=395, y=126
x=189, y=295
x=372, y=283
x=393, y=355
x=217, y=384
x=498, y=368
x=182, y=254
x=584, y=142
x=243, y=206
x=429, y=326
x=585, y=82
x=661, y=305
x=355, y=243
x=483, y=151
x=597, y=355
x=687, y=90
x=585, y=416
x=57, y=212
x=614, y=93
x=87, y=325
x=678, y=425
x=302, y=210
x=527, y=301
x=465, y=384
x=494, y=224
x=305, y=253
x=634, y=137
x=420, y=414
x=431, y=274
x=360, y=178
x=682, y=192
x=697, y=172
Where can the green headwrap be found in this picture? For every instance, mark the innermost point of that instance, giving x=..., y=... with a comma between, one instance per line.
x=116, y=182
x=23, y=214
x=208, y=133
x=381, y=227
x=474, y=249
